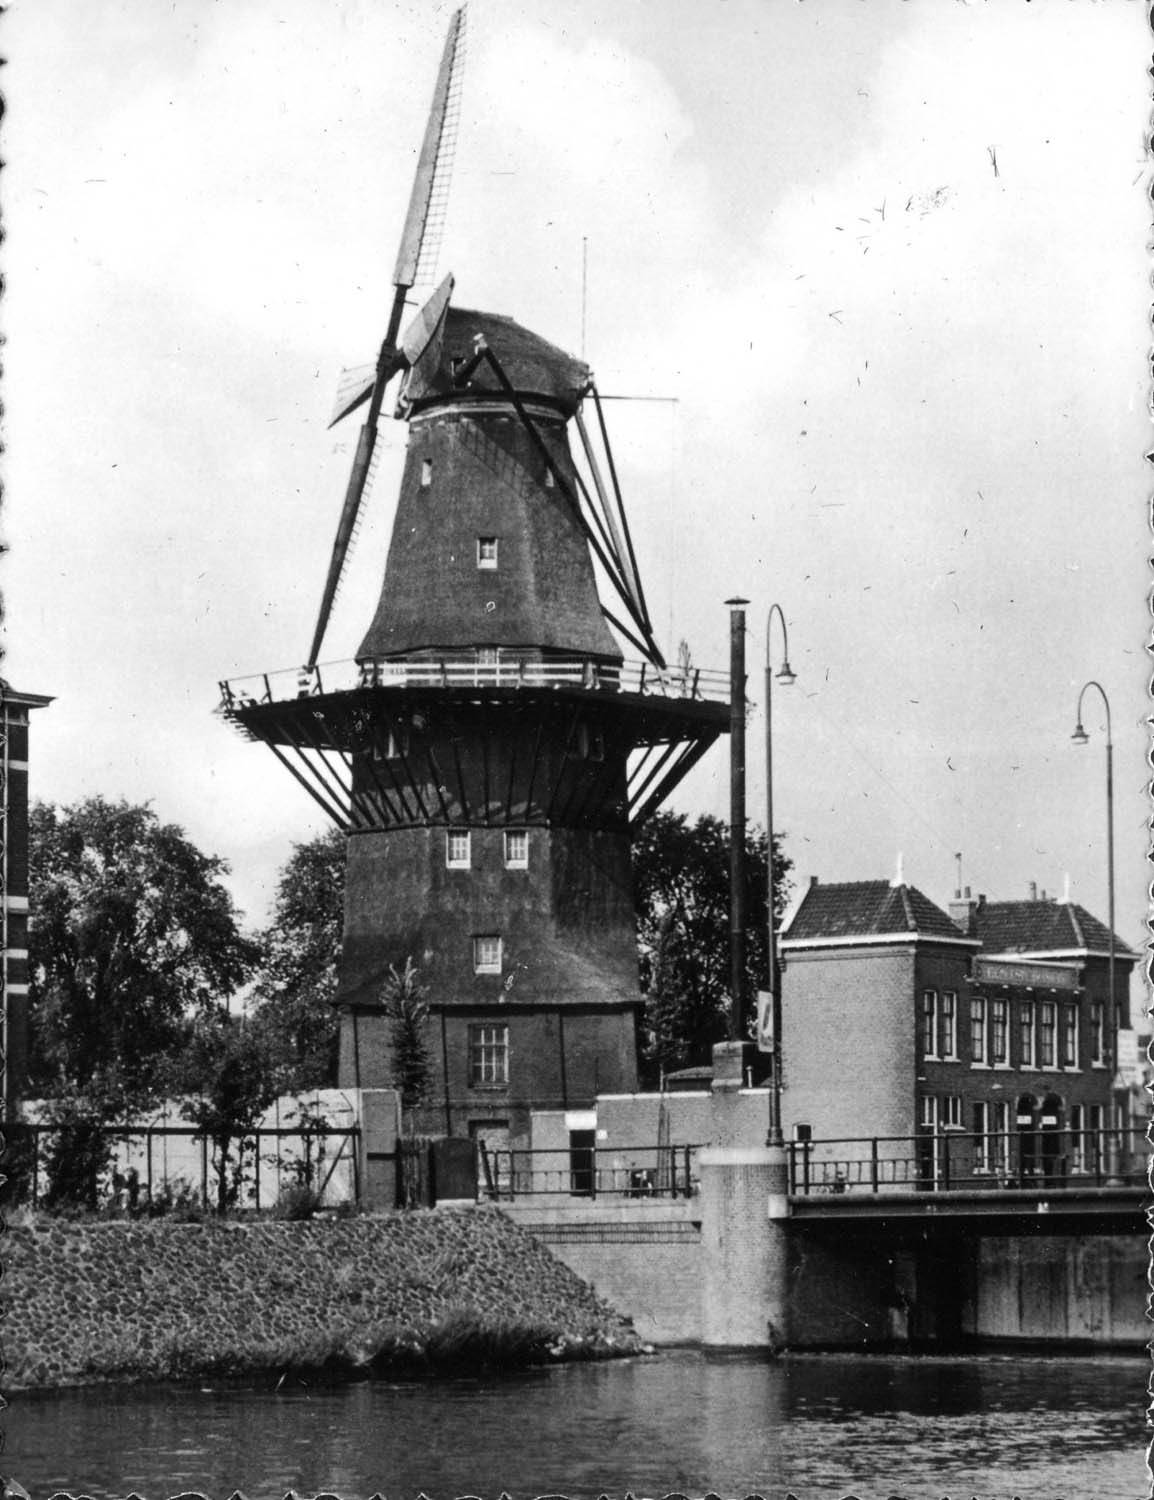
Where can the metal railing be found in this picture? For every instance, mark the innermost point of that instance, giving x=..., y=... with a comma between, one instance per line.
x=461, y=671
x=955, y=1160
x=588, y=1172
x=146, y=1164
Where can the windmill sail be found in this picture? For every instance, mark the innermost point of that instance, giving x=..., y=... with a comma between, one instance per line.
x=419, y=238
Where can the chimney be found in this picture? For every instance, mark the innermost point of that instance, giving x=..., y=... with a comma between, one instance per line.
x=962, y=909
x=1032, y=890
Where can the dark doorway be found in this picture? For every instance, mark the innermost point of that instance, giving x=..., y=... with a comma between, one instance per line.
x=1026, y=1124
x=583, y=1163
x=1053, y=1166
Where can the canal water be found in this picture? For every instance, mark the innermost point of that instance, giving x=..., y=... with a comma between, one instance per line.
x=824, y=1425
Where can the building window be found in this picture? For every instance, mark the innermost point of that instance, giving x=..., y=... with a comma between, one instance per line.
x=999, y=1033
x=1000, y=1129
x=1077, y=1138
x=488, y=1056
x=1026, y=1034
x=487, y=955
x=487, y=552
x=928, y=1112
x=426, y=473
x=517, y=850
x=587, y=744
x=951, y=1112
x=1069, y=1039
x=1047, y=1030
x=949, y=1025
x=1095, y=1141
x=1097, y=1034
x=978, y=1029
x=982, y=1153
x=929, y=1023
x=458, y=849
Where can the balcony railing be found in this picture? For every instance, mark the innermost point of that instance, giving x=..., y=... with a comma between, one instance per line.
x=588, y=1172
x=947, y=1160
x=586, y=673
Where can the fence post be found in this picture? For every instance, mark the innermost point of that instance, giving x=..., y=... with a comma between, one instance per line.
x=805, y=1166
x=204, y=1169
x=874, y=1163
x=148, y=1161
x=256, y=1170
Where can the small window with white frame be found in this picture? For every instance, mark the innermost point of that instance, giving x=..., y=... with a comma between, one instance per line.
x=1000, y=1032
x=487, y=552
x=1097, y=1034
x=426, y=473
x=1068, y=1038
x=458, y=849
x=1047, y=1033
x=517, y=849
x=948, y=1033
x=1026, y=1049
x=488, y=1056
x=930, y=1023
x=978, y=1031
x=951, y=1112
x=487, y=954
x=981, y=1136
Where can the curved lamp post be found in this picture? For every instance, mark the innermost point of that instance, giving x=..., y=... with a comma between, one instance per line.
x=785, y=676
x=1080, y=737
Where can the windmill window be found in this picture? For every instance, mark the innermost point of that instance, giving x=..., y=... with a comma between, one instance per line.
x=550, y=482
x=488, y=1056
x=517, y=849
x=426, y=473
x=487, y=955
x=458, y=849
x=487, y=552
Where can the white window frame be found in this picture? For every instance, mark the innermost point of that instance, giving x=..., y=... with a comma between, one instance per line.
x=929, y=1025
x=517, y=858
x=948, y=1026
x=1000, y=1130
x=458, y=858
x=488, y=1055
x=978, y=1050
x=1048, y=1023
x=487, y=953
x=426, y=473
x=1068, y=1033
x=999, y=1022
x=928, y=1112
x=982, y=1154
x=950, y=1112
x=487, y=549
x=1077, y=1127
x=1097, y=1033
x=1027, y=1040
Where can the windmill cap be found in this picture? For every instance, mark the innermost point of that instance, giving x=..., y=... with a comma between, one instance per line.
x=535, y=368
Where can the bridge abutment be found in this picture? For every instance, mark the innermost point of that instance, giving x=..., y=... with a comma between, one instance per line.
x=744, y=1212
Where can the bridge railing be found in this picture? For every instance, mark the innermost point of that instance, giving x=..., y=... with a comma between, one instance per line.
x=469, y=671
x=588, y=1172
x=952, y=1160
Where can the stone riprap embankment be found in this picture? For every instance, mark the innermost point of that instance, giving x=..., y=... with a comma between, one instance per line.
x=421, y=1290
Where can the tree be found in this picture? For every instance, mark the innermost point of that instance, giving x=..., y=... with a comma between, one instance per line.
x=405, y=1002
x=133, y=935
x=293, y=998
x=229, y=1065
x=681, y=892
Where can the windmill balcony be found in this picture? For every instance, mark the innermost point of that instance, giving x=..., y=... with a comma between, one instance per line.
x=466, y=671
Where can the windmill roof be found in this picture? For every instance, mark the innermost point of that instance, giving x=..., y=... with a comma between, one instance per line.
x=867, y=910
x=534, y=366
x=1043, y=927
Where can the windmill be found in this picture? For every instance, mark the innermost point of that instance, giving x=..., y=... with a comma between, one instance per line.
x=489, y=749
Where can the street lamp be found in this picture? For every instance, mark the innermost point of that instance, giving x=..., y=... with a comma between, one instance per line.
x=1080, y=737
x=785, y=676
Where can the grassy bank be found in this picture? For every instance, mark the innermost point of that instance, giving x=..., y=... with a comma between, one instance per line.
x=418, y=1293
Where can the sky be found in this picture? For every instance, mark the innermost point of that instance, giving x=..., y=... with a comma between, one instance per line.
x=887, y=259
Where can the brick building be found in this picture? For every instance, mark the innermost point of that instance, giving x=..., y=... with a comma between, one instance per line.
x=15, y=709
x=992, y=1022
